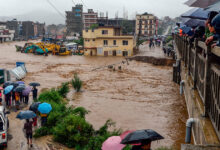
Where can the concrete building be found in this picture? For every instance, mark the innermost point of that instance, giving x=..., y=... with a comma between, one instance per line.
x=128, y=26
x=146, y=25
x=39, y=29
x=74, y=20
x=13, y=25
x=28, y=29
x=6, y=34
x=89, y=18
x=107, y=41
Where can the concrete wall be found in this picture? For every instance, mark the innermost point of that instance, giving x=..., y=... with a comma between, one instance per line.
x=199, y=147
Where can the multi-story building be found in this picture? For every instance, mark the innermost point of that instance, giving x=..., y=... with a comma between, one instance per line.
x=13, y=25
x=39, y=29
x=28, y=29
x=146, y=25
x=74, y=20
x=89, y=18
x=5, y=33
x=107, y=41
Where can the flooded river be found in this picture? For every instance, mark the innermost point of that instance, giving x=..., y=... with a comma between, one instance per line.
x=139, y=96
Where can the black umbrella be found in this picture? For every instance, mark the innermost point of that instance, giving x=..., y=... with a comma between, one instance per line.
x=34, y=84
x=141, y=136
x=7, y=84
x=196, y=13
x=19, y=88
x=34, y=106
x=14, y=84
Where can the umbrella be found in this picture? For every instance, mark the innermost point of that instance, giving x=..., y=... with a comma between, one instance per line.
x=8, y=89
x=14, y=84
x=19, y=89
x=113, y=143
x=186, y=29
x=34, y=106
x=26, y=91
x=140, y=136
x=196, y=13
x=214, y=7
x=1, y=88
x=34, y=84
x=7, y=84
x=26, y=115
x=193, y=22
x=44, y=108
x=200, y=3
x=20, y=82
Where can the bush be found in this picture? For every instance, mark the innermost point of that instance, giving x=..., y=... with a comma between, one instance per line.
x=64, y=90
x=164, y=148
x=42, y=131
x=50, y=96
x=76, y=83
x=72, y=131
x=168, y=39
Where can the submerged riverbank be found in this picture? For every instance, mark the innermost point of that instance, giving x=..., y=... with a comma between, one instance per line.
x=139, y=96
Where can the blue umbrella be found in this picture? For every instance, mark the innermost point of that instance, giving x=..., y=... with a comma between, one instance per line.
x=44, y=108
x=8, y=89
x=193, y=22
x=200, y=3
x=26, y=115
x=196, y=13
x=214, y=7
x=186, y=30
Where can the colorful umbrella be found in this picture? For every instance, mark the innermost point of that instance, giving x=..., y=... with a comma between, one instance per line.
x=1, y=88
x=7, y=84
x=44, y=108
x=8, y=89
x=26, y=115
x=19, y=89
x=20, y=82
x=26, y=91
x=113, y=143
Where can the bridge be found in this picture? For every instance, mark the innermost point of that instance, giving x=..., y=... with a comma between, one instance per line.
x=200, y=76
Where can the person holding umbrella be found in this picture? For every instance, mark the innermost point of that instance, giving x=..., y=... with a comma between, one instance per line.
x=28, y=131
x=7, y=92
x=1, y=95
x=28, y=125
x=44, y=110
x=17, y=98
x=34, y=90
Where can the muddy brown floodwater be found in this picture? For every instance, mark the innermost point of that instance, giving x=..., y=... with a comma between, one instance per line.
x=139, y=96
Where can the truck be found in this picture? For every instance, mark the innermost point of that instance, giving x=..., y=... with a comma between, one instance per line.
x=4, y=126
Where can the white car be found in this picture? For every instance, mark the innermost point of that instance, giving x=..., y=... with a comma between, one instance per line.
x=4, y=125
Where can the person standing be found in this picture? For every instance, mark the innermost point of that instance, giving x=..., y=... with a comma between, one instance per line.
x=35, y=90
x=28, y=131
x=26, y=98
x=17, y=98
x=0, y=97
x=7, y=99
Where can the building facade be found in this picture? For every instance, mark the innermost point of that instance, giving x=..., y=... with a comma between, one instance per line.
x=74, y=20
x=28, y=29
x=107, y=41
x=146, y=25
x=89, y=18
x=13, y=25
x=5, y=33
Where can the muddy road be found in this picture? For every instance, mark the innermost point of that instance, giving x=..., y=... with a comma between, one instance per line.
x=139, y=96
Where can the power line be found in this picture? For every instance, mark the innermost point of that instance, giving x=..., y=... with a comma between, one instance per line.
x=84, y=4
x=73, y=2
x=51, y=4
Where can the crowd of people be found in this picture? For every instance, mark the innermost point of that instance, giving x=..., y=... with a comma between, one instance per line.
x=155, y=41
x=210, y=32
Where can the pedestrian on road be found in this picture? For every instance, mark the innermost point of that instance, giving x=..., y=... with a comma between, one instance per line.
x=28, y=131
x=0, y=97
x=26, y=99
x=34, y=90
x=7, y=99
x=13, y=98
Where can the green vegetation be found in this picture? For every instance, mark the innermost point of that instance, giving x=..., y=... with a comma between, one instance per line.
x=80, y=41
x=168, y=39
x=139, y=42
x=68, y=125
x=94, y=26
x=127, y=27
x=76, y=83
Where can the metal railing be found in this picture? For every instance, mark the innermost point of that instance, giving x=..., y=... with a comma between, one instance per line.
x=203, y=65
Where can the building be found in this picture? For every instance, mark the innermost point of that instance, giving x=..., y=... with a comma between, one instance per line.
x=13, y=25
x=146, y=25
x=74, y=20
x=28, y=29
x=5, y=33
x=107, y=41
x=89, y=18
x=128, y=26
x=39, y=29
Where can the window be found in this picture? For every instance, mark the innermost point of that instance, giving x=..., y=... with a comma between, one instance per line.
x=105, y=42
x=77, y=15
x=114, y=42
x=125, y=43
x=104, y=31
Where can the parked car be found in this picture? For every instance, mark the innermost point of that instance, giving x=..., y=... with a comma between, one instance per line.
x=4, y=126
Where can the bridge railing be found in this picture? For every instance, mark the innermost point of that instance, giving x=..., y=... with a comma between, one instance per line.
x=203, y=65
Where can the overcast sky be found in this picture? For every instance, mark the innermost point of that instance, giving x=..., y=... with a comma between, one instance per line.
x=160, y=8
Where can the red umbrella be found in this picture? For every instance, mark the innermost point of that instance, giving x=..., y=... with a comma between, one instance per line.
x=1, y=88
x=113, y=143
